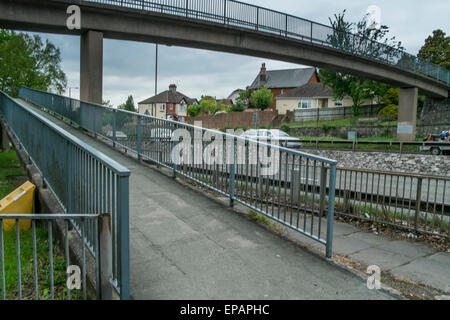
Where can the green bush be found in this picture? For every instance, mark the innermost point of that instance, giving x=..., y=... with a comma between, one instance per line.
x=193, y=110
x=285, y=127
x=261, y=98
x=325, y=127
x=237, y=107
x=388, y=113
x=238, y=127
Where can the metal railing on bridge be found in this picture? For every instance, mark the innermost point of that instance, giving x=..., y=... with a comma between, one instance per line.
x=81, y=178
x=283, y=184
x=243, y=15
x=46, y=277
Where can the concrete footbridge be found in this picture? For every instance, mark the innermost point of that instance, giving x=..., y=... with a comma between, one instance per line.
x=228, y=26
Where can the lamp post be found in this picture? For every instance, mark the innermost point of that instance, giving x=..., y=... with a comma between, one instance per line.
x=70, y=91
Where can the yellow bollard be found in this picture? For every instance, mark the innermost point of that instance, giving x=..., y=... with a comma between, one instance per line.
x=19, y=201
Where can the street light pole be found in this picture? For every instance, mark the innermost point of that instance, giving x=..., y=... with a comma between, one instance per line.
x=156, y=71
x=70, y=91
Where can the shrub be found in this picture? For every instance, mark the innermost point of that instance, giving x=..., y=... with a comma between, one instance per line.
x=388, y=113
x=285, y=127
x=238, y=127
x=237, y=107
x=325, y=127
x=261, y=98
x=193, y=110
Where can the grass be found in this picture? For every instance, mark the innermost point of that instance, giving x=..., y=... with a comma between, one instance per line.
x=11, y=175
x=425, y=221
x=43, y=267
x=255, y=216
x=339, y=123
x=9, y=168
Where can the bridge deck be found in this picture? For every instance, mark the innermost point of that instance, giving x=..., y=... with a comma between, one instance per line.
x=187, y=246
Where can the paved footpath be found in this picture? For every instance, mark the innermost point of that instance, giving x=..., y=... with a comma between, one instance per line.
x=185, y=245
x=404, y=258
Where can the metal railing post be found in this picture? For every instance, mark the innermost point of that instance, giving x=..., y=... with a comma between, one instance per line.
x=323, y=190
x=286, y=30
x=123, y=236
x=257, y=18
x=418, y=202
x=232, y=173
x=225, y=11
x=114, y=127
x=330, y=218
x=69, y=177
x=139, y=137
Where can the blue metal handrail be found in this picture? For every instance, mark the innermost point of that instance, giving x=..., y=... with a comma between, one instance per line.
x=239, y=14
x=81, y=178
x=299, y=194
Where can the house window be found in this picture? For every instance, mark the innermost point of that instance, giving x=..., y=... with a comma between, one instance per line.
x=162, y=107
x=182, y=107
x=338, y=103
x=305, y=104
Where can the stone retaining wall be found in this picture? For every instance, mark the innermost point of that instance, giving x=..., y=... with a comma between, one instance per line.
x=395, y=162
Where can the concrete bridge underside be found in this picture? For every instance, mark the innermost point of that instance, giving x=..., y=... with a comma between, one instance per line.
x=105, y=21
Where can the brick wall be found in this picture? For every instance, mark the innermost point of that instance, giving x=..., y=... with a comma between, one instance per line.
x=233, y=119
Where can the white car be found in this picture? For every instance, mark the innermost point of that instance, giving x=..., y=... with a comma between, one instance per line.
x=160, y=134
x=273, y=135
x=120, y=136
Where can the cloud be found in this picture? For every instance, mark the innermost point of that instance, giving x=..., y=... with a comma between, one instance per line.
x=129, y=67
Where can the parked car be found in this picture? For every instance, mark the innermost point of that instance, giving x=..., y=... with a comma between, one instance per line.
x=160, y=134
x=273, y=135
x=120, y=136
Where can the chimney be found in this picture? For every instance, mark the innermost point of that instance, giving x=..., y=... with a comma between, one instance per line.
x=173, y=88
x=262, y=76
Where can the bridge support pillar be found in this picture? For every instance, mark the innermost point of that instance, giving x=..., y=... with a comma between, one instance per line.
x=91, y=66
x=407, y=112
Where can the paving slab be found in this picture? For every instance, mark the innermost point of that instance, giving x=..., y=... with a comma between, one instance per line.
x=386, y=260
x=346, y=246
x=433, y=270
x=408, y=248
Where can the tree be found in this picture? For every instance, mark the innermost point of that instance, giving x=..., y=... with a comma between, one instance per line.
x=26, y=61
x=128, y=105
x=391, y=96
x=193, y=110
x=241, y=102
x=207, y=105
x=359, y=39
x=261, y=98
x=437, y=49
x=348, y=85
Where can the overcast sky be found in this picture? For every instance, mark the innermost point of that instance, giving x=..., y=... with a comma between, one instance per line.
x=129, y=67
